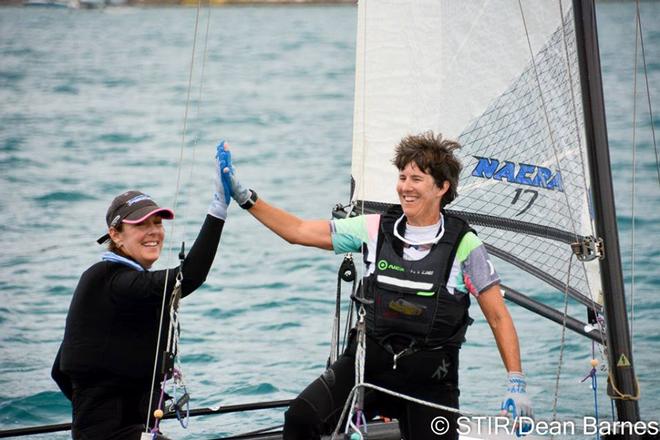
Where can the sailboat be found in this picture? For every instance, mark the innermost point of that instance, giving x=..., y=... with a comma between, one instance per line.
x=523, y=95
x=519, y=85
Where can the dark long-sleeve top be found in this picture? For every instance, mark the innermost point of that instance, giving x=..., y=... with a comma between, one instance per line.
x=112, y=326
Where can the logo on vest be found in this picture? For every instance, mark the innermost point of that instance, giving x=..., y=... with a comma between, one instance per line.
x=421, y=272
x=384, y=265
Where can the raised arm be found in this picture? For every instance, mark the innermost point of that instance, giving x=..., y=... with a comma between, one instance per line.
x=315, y=233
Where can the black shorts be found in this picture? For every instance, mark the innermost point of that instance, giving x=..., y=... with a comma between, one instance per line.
x=427, y=375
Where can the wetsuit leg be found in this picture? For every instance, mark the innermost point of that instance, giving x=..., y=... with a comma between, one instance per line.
x=421, y=422
x=427, y=375
x=108, y=413
x=317, y=409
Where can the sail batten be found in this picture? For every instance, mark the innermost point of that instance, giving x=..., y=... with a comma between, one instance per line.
x=544, y=276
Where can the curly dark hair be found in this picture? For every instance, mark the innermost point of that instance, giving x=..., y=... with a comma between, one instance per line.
x=433, y=155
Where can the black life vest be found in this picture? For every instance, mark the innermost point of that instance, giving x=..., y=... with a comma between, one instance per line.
x=409, y=299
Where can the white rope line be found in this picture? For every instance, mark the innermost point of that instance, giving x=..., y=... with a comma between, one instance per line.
x=174, y=207
x=357, y=400
x=401, y=396
x=364, y=142
x=160, y=330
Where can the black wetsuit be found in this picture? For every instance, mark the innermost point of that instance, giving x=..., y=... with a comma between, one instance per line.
x=428, y=375
x=106, y=360
x=430, y=330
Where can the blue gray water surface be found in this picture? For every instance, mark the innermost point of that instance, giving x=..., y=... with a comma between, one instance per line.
x=93, y=103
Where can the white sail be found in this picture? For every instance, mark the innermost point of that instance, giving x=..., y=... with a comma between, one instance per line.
x=502, y=78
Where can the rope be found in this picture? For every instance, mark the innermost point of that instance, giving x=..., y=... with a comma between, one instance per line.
x=360, y=355
x=356, y=398
x=400, y=396
x=562, y=342
x=155, y=372
x=623, y=396
x=174, y=206
x=594, y=383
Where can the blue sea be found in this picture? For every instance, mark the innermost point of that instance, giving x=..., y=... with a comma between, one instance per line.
x=93, y=102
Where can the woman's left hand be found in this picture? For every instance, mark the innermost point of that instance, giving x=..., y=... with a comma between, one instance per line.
x=222, y=195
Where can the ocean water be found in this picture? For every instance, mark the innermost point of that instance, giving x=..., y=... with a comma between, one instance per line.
x=93, y=103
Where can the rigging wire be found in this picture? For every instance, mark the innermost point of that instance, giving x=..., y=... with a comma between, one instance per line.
x=552, y=140
x=551, y=133
x=585, y=186
x=363, y=104
x=562, y=341
x=598, y=322
x=648, y=90
x=583, y=160
x=639, y=44
x=355, y=398
x=174, y=205
x=634, y=180
x=584, y=174
x=193, y=159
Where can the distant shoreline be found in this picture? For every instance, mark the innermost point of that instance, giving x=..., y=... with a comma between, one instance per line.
x=205, y=3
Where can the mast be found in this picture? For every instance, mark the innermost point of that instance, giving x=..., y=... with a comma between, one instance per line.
x=619, y=351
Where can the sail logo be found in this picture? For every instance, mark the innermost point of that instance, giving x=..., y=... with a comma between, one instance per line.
x=520, y=173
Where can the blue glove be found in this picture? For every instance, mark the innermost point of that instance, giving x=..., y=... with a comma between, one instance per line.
x=232, y=187
x=224, y=163
x=516, y=403
x=222, y=195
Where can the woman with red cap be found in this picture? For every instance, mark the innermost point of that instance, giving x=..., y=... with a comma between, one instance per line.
x=106, y=361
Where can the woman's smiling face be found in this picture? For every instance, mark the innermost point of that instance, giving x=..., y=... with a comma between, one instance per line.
x=419, y=195
x=142, y=241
